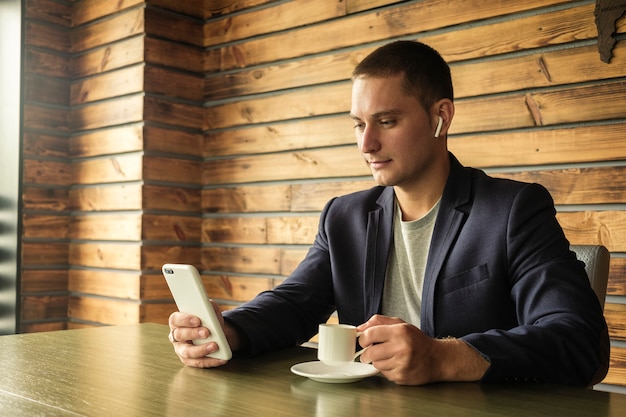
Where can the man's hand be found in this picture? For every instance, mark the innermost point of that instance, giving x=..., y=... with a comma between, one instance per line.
x=185, y=327
x=407, y=356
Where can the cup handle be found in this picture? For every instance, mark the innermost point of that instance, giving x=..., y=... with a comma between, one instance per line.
x=356, y=355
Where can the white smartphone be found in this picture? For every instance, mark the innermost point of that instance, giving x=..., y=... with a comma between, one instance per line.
x=190, y=297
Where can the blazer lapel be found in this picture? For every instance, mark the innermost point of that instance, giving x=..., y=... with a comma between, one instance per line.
x=452, y=215
x=378, y=236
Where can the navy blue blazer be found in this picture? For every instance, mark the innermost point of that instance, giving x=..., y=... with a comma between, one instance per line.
x=499, y=275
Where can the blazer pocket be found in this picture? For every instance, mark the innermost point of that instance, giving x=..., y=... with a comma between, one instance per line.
x=464, y=279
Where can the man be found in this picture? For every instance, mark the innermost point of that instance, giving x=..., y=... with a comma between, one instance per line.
x=451, y=275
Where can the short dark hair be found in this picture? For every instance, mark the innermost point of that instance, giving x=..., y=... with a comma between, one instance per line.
x=426, y=73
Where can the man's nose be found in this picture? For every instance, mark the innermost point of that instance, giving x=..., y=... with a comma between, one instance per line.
x=369, y=140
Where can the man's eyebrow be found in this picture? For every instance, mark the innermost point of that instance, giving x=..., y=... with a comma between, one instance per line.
x=380, y=114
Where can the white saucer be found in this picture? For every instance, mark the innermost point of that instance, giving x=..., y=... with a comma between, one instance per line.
x=351, y=372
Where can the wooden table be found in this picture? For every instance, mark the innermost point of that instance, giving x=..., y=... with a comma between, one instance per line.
x=133, y=371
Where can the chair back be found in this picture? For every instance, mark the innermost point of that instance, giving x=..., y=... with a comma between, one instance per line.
x=596, y=259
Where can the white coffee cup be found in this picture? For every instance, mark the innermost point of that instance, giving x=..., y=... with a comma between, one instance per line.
x=337, y=344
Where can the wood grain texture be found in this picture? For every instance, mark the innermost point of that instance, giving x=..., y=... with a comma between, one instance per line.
x=122, y=53
x=113, y=140
x=116, y=168
x=89, y=10
x=617, y=278
x=596, y=227
x=119, y=26
x=390, y=23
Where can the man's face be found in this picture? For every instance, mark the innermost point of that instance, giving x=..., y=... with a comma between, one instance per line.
x=394, y=133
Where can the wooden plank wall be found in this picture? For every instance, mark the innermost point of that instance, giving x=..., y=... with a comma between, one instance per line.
x=213, y=133
x=46, y=166
x=137, y=129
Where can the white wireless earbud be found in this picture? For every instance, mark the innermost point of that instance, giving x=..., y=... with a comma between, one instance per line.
x=439, y=126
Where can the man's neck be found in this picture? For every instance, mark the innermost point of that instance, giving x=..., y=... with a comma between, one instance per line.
x=416, y=200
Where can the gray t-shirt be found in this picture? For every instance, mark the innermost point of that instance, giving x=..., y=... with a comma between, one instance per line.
x=404, y=279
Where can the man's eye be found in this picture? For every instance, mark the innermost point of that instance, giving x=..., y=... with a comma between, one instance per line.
x=387, y=122
x=359, y=126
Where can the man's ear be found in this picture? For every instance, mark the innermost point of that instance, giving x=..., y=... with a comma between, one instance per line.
x=443, y=112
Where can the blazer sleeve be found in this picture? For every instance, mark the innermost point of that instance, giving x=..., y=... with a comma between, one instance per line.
x=290, y=313
x=561, y=334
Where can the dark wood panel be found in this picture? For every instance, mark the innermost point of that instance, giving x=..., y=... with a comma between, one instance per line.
x=48, y=90
x=48, y=326
x=171, y=83
x=173, y=26
x=615, y=315
x=191, y=8
x=174, y=55
x=43, y=280
x=156, y=312
x=154, y=287
x=173, y=199
x=44, y=226
x=617, y=369
x=46, y=172
x=41, y=117
x=617, y=278
x=216, y=8
x=45, y=198
x=165, y=111
x=44, y=307
x=41, y=144
x=172, y=170
x=167, y=228
x=42, y=62
x=44, y=253
x=172, y=141
x=51, y=37
x=154, y=256
x=48, y=11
